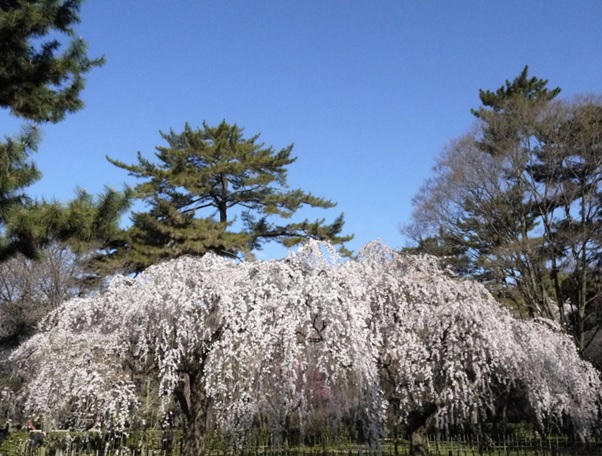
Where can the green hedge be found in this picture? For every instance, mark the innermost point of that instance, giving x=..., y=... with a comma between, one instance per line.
x=15, y=443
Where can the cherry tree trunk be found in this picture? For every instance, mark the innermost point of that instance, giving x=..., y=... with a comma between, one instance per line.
x=419, y=444
x=193, y=400
x=195, y=433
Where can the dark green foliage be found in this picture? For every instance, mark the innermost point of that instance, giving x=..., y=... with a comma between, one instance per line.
x=212, y=189
x=498, y=217
x=510, y=113
x=40, y=81
x=42, y=68
x=17, y=171
x=84, y=222
x=533, y=89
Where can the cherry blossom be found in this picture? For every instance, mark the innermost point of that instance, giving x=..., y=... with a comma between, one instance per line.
x=231, y=343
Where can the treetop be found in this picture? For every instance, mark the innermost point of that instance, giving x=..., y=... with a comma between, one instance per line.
x=534, y=89
x=215, y=189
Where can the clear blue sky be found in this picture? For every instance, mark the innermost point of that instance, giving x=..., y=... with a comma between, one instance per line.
x=368, y=91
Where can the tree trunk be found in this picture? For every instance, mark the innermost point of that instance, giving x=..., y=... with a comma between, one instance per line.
x=418, y=423
x=419, y=444
x=193, y=400
x=195, y=433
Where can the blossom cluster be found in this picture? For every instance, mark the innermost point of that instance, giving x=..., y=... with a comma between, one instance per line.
x=386, y=334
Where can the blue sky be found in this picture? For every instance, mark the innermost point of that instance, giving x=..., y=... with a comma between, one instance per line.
x=368, y=91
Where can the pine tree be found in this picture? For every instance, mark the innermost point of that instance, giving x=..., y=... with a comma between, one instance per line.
x=43, y=63
x=510, y=113
x=16, y=170
x=212, y=189
x=484, y=201
x=86, y=222
x=521, y=195
x=533, y=89
x=39, y=82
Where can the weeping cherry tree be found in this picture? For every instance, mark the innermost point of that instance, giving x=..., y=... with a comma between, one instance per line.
x=389, y=335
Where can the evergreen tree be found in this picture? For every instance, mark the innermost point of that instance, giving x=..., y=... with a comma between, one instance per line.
x=520, y=197
x=533, y=89
x=484, y=200
x=510, y=114
x=41, y=79
x=86, y=222
x=43, y=63
x=16, y=171
x=212, y=189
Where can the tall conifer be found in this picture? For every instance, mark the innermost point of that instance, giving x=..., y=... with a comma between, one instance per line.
x=212, y=189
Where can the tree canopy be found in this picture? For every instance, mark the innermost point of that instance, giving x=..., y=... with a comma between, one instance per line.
x=230, y=343
x=518, y=196
x=42, y=77
x=43, y=65
x=17, y=172
x=211, y=189
x=521, y=87
x=29, y=289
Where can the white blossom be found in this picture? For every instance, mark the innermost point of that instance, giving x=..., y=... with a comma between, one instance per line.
x=386, y=332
